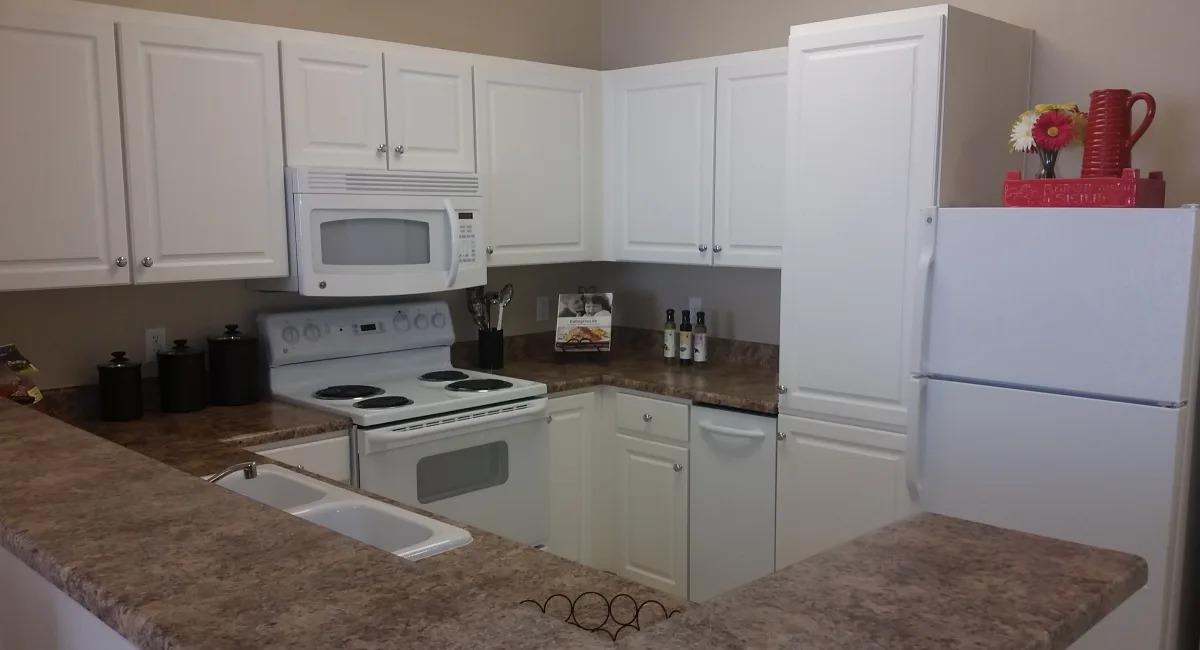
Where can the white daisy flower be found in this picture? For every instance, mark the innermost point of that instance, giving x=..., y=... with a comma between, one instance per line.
x=1021, y=136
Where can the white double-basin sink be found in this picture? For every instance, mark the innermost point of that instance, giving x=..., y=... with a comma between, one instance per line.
x=395, y=530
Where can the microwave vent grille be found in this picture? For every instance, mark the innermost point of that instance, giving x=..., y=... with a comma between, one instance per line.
x=364, y=182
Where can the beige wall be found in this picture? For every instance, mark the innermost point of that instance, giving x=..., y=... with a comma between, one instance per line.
x=566, y=32
x=1081, y=45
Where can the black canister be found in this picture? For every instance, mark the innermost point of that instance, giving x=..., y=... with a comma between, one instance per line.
x=232, y=368
x=181, y=379
x=120, y=388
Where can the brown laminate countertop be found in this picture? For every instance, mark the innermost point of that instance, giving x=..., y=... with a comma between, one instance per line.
x=740, y=375
x=171, y=562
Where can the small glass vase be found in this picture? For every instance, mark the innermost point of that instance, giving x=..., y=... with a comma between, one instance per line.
x=1048, y=159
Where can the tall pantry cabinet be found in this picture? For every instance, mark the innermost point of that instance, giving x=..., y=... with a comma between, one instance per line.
x=888, y=115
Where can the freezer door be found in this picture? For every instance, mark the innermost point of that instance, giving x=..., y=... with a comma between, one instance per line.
x=1090, y=471
x=1084, y=301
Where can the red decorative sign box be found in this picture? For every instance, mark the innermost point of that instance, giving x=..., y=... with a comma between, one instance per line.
x=1129, y=190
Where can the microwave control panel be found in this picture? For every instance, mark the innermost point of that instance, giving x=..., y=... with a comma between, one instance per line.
x=467, y=248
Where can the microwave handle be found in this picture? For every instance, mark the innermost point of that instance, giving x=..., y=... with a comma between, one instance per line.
x=452, y=230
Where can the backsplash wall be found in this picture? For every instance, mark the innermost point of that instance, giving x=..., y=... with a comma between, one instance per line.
x=66, y=332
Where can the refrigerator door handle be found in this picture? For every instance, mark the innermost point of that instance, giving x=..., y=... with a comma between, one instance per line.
x=914, y=444
x=920, y=306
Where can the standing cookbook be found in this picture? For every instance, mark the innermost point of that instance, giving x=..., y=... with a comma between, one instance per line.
x=584, y=322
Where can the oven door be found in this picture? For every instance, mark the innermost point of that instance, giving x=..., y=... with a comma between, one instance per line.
x=491, y=476
x=379, y=245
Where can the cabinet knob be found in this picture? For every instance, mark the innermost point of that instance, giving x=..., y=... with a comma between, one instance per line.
x=677, y=467
x=781, y=389
x=549, y=419
x=147, y=262
x=121, y=261
x=399, y=150
x=780, y=436
x=381, y=148
x=646, y=417
x=703, y=247
x=489, y=250
x=716, y=248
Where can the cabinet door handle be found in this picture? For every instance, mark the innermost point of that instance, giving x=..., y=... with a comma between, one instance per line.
x=781, y=436
x=730, y=431
x=381, y=148
x=677, y=467
x=716, y=248
x=147, y=262
x=781, y=389
x=399, y=150
x=549, y=419
x=121, y=261
x=702, y=247
x=490, y=250
x=646, y=417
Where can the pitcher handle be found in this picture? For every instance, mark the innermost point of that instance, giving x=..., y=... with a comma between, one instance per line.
x=1149, y=100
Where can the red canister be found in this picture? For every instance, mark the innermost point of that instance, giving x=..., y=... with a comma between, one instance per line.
x=1107, y=144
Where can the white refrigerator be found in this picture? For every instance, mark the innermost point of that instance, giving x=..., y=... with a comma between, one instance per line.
x=1054, y=369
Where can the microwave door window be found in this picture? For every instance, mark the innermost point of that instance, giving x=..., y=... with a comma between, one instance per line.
x=375, y=241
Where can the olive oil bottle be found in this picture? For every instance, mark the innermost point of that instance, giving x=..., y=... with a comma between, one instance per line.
x=685, y=339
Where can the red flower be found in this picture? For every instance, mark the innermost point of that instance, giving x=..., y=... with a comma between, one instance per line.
x=1052, y=130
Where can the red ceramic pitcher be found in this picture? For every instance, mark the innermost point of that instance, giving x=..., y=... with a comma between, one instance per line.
x=1107, y=143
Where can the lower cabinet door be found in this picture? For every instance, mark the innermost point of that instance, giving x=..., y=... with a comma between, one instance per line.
x=326, y=456
x=651, y=486
x=834, y=483
x=570, y=419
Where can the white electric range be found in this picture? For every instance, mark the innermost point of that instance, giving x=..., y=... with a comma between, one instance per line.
x=464, y=444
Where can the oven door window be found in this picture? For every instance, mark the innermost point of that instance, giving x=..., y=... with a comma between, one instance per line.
x=375, y=241
x=461, y=471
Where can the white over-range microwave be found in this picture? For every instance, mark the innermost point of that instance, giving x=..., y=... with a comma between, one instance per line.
x=365, y=233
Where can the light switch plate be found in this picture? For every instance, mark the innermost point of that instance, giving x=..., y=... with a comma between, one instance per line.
x=543, y=308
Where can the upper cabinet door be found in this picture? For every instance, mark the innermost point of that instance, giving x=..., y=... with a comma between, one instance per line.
x=751, y=120
x=659, y=162
x=863, y=115
x=333, y=111
x=204, y=148
x=539, y=150
x=60, y=153
x=430, y=113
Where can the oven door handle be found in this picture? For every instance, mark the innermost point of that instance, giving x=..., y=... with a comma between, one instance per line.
x=452, y=231
x=387, y=437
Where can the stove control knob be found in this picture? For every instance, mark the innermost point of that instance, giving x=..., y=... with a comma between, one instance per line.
x=421, y=321
x=401, y=322
x=291, y=335
x=312, y=332
x=438, y=320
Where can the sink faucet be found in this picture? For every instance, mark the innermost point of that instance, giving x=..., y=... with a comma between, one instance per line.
x=250, y=470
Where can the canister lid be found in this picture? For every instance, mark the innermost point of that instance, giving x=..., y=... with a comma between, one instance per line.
x=119, y=360
x=180, y=349
x=231, y=333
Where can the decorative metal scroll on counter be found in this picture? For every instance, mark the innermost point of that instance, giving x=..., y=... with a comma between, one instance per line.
x=574, y=607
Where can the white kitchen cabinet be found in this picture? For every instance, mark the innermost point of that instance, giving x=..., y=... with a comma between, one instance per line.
x=326, y=455
x=60, y=157
x=658, y=156
x=333, y=107
x=570, y=418
x=430, y=112
x=834, y=483
x=651, y=492
x=883, y=123
x=749, y=160
x=731, y=498
x=204, y=153
x=539, y=154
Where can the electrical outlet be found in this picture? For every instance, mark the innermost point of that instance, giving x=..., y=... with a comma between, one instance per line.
x=156, y=339
x=543, y=308
x=695, y=305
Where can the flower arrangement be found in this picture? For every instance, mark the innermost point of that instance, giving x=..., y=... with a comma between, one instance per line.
x=1047, y=129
